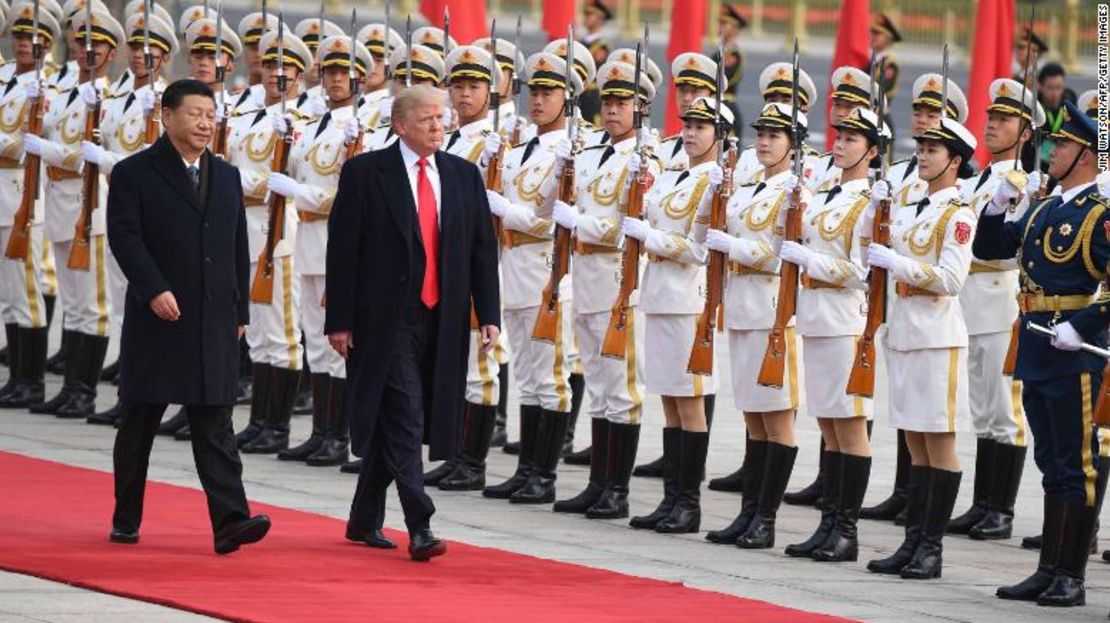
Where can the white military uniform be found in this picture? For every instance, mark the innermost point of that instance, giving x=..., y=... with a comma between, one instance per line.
x=483, y=387
x=21, y=301
x=750, y=171
x=615, y=386
x=832, y=304
x=84, y=294
x=755, y=212
x=541, y=370
x=672, y=292
x=671, y=154
x=989, y=302
x=926, y=334
x=272, y=334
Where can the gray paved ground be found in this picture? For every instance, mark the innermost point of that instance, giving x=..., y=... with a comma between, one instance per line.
x=972, y=570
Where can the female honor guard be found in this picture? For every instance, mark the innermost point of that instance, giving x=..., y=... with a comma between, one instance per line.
x=614, y=385
x=123, y=132
x=990, y=309
x=272, y=334
x=776, y=83
x=84, y=290
x=22, y=306
x=926, y=340
x=756, y=222
x=672, y=297
x=541, y=368
x=831, y=317
x=314, y=165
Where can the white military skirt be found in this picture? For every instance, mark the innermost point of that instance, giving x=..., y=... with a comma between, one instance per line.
x=668, y=339
x=929, y=390
x=828, y=364
x=746, y=349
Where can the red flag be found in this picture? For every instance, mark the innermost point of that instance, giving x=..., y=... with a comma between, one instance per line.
x=853, y=47
x=687, y=29
x=991, y=55
x=468, y=18
x=557, y=16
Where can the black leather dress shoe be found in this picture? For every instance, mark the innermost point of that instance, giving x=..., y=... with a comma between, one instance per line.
x=423, y=545
x=351, y=467
x=378, y=540
x=253, y=530
x=125, y=537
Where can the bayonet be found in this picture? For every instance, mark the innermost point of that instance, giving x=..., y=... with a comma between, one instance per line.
x=446, y=30
x=794, y=103
x=495, y=79
x=148, y=60
x=387, y=52
x=281, y=82
x=265, y=21
x=90, y=56
x=408, y=51
x=516, y=74
x=571, y=101
x=320, y=36
x=1029, y=61
x=36, y=44
x=717, y=101
x=944, y=84
x=220, y=41
x=352, y=70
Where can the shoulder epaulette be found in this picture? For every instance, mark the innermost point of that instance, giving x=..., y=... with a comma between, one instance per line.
x=896, y=162
x=670, y=138
x=749, y=184
x=590, y=147
x=300, y=115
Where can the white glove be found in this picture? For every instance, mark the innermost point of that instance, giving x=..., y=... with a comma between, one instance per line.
x=796, y=254
x=1033, y=184
x=790, y=184
x=316, y=106
x=492, y=147
x=278, y=122
x=564, y=215
x=716, y=177
x=145, y=97
x=880, y=191
x=448, y=118
x=563, y=152
x=385, y=108
x=520, y=125
x=1004, y=195
x=498, y=204
x=88, y=94
x=33, y=89
x=635, y=228
x=92, y=153
x=1104, y=188
x=39, y=146
x=350, y=130
x=719, y=241
x=634, y=164
x=1067, y=338
x=219, y=118
x=283, y=185
x=883, y=257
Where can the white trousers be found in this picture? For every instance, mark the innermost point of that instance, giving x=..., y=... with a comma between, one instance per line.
x=20, y=293
x=84, y=293
x=615, y=386
x=540, y=370
x=996, y=410
x=322, y=358
x=273, y=333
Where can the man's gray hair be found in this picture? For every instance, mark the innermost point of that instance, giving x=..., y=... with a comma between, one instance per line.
x=416, y=96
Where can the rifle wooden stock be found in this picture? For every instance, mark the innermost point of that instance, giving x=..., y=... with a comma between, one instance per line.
x=494, y=183
x=616, y=336
x=219, y=139
x=861, y=380
x=548, y=318
x=354, y=147
x=19, y=242
x=773, y=370
x=1102, y=405
x=1010, y=363
x=90, y=198
x=262, y=288
x=712, y=315
x=153, y=127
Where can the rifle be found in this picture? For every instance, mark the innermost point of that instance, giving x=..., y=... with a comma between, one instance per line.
x=262, y=289
x=616, y=336
x=548, y=318
x=861, y=381
x=494, y=168
x=320, y=39
x=219, y=141
x=516, y=86
x=153, y=122
x=90, y=179
x=19, y=242
x=773, y=370
x=354, y=147
x=701, y=354
x=388, y=51
x=408, y=50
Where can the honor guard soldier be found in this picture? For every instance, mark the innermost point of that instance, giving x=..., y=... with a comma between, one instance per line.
x=831, y=318
x=273, y=334
x=124, y=132
x=587, y=70
x=628, y=56
x=990, y=309
x=694, y=76
x=469, y=78
x=250, y=31
x=74, y=220
x=22, y=307
x=541, y=368
x=1063, y=247
x=672, y=296
x=729, y=24
x=311, y=31
x=926, y=341
x=1088, y=103
x=433, y=39
x=757, y=215
x=1026, y=43
x=615, y=385
x=376, y=94
x=427, y=67
x=907, y=189
x=511, y=62
x=776, y=85
x=596, y=16
x=314, y=165
x=851, y=89
x=884, y=36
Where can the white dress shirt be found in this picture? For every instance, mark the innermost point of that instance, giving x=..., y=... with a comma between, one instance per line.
x=413, y=169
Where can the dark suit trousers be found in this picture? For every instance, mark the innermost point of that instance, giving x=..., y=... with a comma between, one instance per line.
x=214, y=451
x=395, y=451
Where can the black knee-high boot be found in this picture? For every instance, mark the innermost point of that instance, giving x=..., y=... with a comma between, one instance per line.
x=1031, y=587
x=917, y=483
x=261, y=375
x=672, y=449
x=279, y=410
x=500, y=433
x=599, y=471
x=337, y=437
x=540, y=486
x=889, y=508
x=87, y=363
x=842, y=545
x=927, y=560
x=321, y=387
x=998, y=523
x=810, y=495
x=755, y=461
x=985, y=451
x=66, y=352
x=613, y=502
x=28, y=368
x=776, y=474
x=10, y=356
x=529, y=427
x=654, y=469
x=1067, y=587
x=685, y=517
x=470, y=465
x=577, y=393
x=830, y=498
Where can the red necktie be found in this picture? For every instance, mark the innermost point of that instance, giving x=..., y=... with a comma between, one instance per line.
x=429, y=232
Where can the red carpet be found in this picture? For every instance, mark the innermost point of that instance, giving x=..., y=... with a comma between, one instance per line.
x=54, y=521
